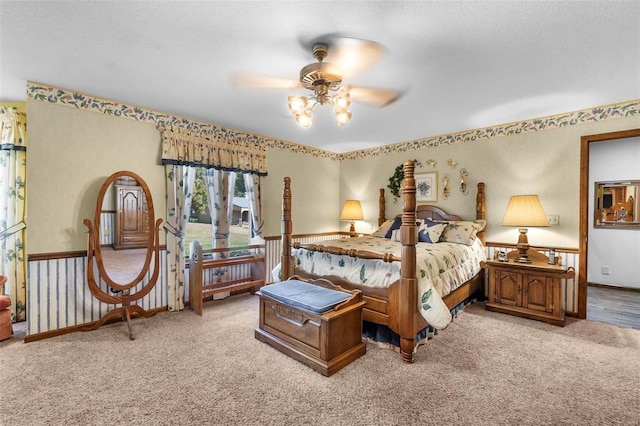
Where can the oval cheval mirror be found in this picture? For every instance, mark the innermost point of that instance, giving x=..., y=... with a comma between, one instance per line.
x=124, y=267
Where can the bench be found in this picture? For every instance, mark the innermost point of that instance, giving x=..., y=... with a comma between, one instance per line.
x=317, y=323
x=246, y=273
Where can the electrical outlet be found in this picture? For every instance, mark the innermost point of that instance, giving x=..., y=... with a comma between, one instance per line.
x=605, y=270
x=553, y=219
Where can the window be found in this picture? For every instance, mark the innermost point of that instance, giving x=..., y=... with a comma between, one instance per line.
x=200, y=221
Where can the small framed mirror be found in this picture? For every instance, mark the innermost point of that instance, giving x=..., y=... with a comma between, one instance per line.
x=616, y=204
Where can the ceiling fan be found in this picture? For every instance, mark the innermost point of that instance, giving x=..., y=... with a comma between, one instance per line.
x=325, y=79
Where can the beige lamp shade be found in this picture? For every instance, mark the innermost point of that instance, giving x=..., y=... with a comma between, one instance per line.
x=352, y=210
x=525, y=211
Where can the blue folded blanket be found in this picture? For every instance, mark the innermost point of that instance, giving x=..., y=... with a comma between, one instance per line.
x=303, y=295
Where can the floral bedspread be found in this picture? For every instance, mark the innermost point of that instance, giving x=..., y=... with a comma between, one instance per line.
x=441, y=268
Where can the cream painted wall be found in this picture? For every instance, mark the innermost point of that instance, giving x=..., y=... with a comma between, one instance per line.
x=87, y=147
x=70, y=154
x=315, y=202
x=615, y=248
x=546, y=163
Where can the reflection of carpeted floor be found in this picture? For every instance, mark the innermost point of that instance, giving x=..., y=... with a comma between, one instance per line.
x=123, y=265
x=486, y=368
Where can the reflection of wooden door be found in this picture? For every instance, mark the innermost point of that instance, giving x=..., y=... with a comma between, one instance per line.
x=132, y=217
x=618, y=194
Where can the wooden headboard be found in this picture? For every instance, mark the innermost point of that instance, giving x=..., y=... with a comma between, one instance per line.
x=427, y=211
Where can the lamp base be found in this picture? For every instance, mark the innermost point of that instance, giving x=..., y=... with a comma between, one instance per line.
x=523, y=247
x=352, y=230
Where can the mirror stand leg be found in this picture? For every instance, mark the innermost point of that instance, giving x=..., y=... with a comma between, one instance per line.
x=115, y=313
x=127, y=316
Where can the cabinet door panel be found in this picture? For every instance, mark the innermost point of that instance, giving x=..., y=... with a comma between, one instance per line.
x=508, y=287
x=536, y=293
x=131, y=211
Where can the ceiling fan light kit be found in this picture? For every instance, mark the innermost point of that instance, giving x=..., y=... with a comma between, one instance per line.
x=325, y=81
x=321, y=78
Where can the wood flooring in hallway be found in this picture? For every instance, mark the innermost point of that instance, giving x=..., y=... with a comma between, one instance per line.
x=613, y=306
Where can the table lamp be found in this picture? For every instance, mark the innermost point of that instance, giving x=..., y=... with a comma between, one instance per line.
x=524, y=211
x=352, y=210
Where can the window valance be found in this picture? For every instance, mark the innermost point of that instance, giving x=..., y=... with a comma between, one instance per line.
x=231, y=151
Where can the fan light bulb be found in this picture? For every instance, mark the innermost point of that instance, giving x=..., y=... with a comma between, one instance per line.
x=342, y=117
x=297, y=104
x=342, y=102
x=304, y=118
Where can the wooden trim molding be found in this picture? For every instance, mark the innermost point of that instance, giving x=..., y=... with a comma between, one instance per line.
x=584, y=207
x=539, y=248
x=80, y=327
x=34, y=257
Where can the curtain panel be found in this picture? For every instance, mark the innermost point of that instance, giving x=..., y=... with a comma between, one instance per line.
x=230, y=151
x=252, y=185
x=220, y=188
x=13, y=160
x=179, y=192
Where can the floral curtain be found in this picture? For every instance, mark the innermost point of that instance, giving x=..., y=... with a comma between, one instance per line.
x=252, y=185
x=230, y=152
x=180, y=181
x=220, y=188
x=219, y=150
x=13, y=133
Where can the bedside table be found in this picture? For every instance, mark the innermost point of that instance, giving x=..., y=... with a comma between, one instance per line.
x=529, y=290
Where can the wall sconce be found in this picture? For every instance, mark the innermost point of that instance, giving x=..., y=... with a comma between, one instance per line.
x=464, y=188
x=432, y=162
x=445, y=187
x=452, y=163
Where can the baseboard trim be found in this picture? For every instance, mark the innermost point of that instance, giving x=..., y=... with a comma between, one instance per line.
x=66, y=330
x=614, y=287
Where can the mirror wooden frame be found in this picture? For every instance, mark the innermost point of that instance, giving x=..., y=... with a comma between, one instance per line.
x=124, y=295
x=621, y=211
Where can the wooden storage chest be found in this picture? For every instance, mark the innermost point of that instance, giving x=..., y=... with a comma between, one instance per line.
x=324, y=341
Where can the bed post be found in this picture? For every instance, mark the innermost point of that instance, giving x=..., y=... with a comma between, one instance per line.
x=286, y=260
x=481, y=209
x=407, y=293
x=381, y=208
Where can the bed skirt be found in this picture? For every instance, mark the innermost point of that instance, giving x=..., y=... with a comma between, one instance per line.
x=384, y=337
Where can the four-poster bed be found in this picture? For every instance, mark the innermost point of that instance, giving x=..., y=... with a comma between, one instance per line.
x=396, y=304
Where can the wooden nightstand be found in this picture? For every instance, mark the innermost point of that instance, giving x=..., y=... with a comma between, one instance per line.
x=530, y=290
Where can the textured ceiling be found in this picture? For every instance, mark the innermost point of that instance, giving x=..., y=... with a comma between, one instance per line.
x=460, y=65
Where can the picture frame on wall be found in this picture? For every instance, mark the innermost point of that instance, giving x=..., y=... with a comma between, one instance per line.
x=426, y=187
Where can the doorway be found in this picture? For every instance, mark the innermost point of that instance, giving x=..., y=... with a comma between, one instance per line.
x=585, y=142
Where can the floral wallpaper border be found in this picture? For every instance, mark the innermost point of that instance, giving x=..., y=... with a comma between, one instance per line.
x=55, y=95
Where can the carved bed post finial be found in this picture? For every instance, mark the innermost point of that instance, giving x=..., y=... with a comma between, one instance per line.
x=286, y=260
x=381, y=208
x=407, y=294
x=481, y=209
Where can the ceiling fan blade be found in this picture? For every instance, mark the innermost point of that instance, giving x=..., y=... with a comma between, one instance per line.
x=254, y=81
x=352, y=55
x=374, y=96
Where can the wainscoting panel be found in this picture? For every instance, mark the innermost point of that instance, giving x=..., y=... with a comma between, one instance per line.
x=570, y=257
x=58, y=295
x=108, y=225
x=273, y=248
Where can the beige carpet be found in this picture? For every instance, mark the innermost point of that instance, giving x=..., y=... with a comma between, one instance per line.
x=485, y=368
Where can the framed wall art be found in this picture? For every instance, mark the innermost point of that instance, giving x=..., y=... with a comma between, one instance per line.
x=426, y=187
